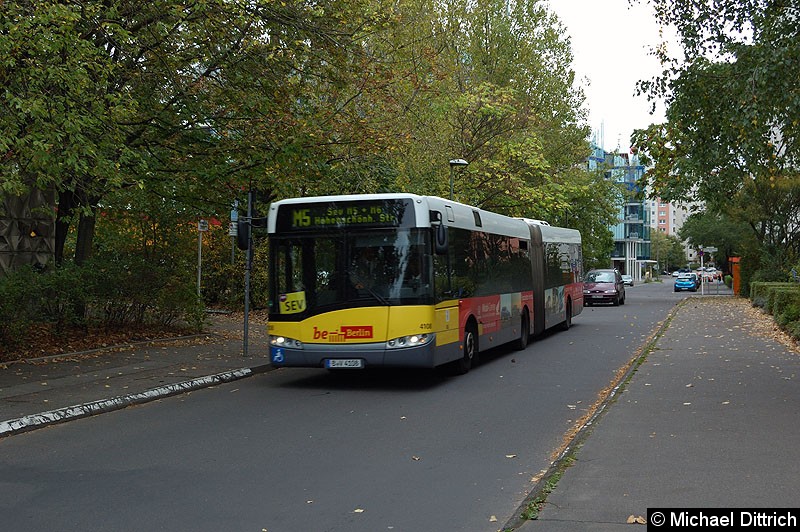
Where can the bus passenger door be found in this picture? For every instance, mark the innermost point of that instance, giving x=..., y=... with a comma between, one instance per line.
x=447, y=330
x=446, y=319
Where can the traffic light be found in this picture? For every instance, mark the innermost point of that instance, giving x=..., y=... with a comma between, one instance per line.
x=243, y=228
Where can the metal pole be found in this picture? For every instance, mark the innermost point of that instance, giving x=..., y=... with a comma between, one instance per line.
x=199, y=258
x=248, y=266
x=234, y=218
x=451, y=182
x=702, y=273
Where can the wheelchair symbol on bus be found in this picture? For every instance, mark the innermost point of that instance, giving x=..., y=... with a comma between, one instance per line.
x=277, y=356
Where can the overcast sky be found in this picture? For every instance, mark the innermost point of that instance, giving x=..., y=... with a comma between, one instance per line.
x=611, y=43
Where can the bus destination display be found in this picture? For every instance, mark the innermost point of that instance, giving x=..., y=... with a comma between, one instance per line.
x=378, y=213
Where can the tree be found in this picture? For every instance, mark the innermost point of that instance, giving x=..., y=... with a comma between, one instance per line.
x=185, y=101
x=56, y=107
x=492, y=84
x=730, y=236
x=731, y=139
x=667, y=250
x=516, y=117
x=183, y=107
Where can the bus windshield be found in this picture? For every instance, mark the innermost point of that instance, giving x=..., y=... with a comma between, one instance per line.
x=320, y=272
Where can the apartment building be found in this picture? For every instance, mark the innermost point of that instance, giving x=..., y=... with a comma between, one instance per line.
x=668, y=218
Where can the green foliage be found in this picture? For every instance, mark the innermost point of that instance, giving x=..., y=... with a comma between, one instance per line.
x=174, y=301
x=131, y=290
x=728, y=235
x=789, y=313
x=102, y=292
x=733, y=118
x=793, y=328
x=146, y=117
x=61, y=295
x=223, y=278
x=667, y=250
x=783, y=302
x=760, y=292
x=57, y=296
x=777, y=298
x=17, y=311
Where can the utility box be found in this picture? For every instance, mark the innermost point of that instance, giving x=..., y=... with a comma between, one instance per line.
x=737, y=276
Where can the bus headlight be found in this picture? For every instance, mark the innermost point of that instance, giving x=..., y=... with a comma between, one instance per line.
x=413, y=340
x=283, y=341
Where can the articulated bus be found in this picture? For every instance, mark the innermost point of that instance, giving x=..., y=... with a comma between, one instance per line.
x=401, y=280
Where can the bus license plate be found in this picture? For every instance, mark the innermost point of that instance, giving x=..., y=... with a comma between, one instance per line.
x=348, y=363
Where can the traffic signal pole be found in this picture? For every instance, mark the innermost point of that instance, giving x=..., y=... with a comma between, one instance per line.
x=247, y=267
x=702, y=273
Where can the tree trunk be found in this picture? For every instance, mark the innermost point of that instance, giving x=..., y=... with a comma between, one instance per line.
x=66, y=205
x=83, y=246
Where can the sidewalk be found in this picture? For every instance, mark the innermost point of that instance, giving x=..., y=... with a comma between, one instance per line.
x=709, y=420
x=50, y=390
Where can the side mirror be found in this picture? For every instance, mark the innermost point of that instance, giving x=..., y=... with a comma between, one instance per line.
x=440, y=240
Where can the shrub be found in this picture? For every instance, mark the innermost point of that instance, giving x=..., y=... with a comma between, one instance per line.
x=788, y=315
x=17, y=289
x=759, y=291
x=61, y=297
x=793, y=328
x=223, y=278
x=177, y=300
x=135, y=291
x=778, y=296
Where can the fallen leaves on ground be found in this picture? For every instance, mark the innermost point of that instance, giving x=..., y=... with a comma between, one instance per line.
x=44, y=340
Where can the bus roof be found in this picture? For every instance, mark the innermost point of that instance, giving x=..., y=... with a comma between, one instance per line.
x=453, y=213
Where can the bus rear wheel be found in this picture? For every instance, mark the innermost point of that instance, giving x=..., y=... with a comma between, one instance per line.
x=524, y=331
x=567, y=323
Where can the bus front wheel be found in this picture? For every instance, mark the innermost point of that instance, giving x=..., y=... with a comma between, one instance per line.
x=470, y=356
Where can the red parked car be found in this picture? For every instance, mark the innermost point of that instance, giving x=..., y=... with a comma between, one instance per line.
x=603, y=286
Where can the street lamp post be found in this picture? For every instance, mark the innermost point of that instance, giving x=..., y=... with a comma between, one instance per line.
x=460, y=163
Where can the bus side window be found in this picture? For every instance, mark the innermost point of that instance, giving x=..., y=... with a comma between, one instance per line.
x=466, y=252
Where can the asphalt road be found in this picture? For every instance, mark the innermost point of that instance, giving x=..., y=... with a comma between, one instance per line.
x=306, y=450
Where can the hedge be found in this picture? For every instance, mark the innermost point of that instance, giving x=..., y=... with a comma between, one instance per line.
x=780, y=299
x=759, y=291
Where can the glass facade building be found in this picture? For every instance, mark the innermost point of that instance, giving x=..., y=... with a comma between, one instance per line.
x=631, y=253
